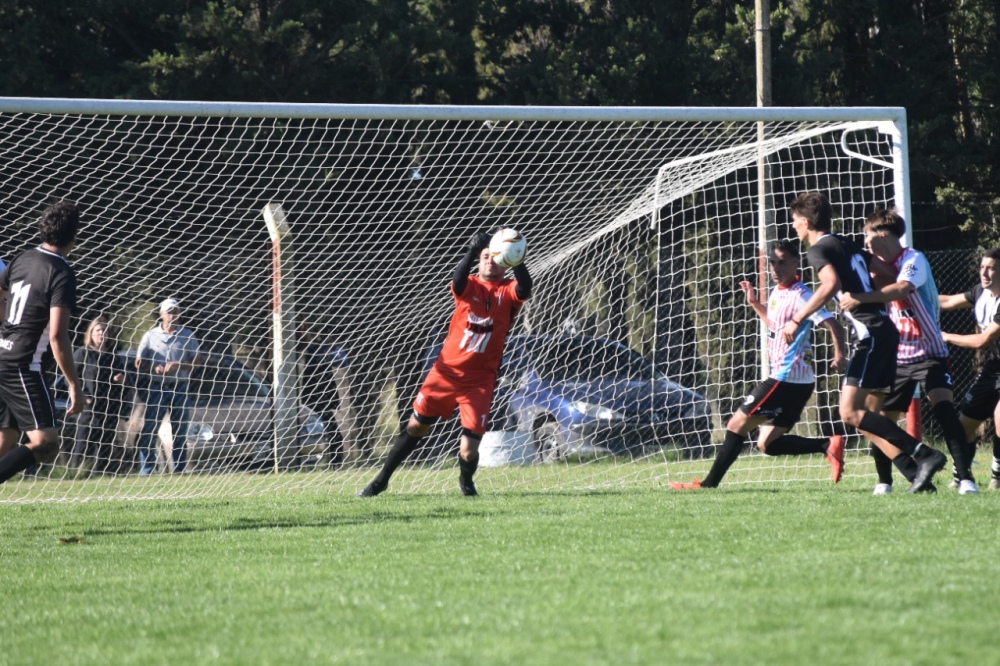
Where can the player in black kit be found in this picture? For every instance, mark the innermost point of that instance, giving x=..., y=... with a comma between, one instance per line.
x=40, y=288
x=842, y=266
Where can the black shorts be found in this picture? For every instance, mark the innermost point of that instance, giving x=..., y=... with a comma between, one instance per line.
x=982, y=397
x=25, y=401
x=873, y=364
x=931, y=373
x=781, y=402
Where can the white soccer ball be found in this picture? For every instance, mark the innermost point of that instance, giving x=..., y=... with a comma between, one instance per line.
x=507, y=248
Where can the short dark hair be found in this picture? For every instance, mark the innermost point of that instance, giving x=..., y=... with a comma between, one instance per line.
x=815, y=207
x=886, y=220
x=992, y=253
x=59, y=223
x=787, y=247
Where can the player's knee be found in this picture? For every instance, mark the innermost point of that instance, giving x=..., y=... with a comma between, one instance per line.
x=472, y=435
x=418, y=430
x=740, y=423
x=418, y=425
x=851, y=416
x=46, y=450
x=470, y=441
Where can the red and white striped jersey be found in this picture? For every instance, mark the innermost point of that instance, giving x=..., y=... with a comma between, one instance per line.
x=791, y=363
x=916, y=317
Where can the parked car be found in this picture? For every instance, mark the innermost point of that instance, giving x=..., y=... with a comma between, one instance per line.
x=578, y=395
x=231, y=424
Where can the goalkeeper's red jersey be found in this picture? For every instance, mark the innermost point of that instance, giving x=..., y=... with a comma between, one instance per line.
x=483, y=316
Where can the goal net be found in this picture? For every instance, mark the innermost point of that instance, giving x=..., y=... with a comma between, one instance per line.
x=622, y=369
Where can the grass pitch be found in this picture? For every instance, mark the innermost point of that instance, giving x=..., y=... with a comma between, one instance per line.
x=780, y=574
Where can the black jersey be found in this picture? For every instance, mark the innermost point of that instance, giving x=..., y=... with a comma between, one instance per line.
x=35, y=281
x=850, y=262
x=987, y=308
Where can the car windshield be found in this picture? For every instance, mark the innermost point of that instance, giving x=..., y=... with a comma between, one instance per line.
x=587, y=360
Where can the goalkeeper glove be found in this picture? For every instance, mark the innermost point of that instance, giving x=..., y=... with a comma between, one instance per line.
x=480, y=240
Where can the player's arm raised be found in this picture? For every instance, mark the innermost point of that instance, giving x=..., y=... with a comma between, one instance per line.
x=523, y=278
x=752, y=301
x=479, y=241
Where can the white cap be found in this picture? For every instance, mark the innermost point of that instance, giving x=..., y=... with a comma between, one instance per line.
x=170, y=304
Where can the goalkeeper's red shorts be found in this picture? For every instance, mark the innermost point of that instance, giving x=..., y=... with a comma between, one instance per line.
x=439, y=395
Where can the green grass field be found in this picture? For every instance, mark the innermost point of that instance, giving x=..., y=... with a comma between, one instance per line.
x=799, y=573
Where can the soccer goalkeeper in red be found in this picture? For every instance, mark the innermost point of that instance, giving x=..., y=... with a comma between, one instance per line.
x=465, y=372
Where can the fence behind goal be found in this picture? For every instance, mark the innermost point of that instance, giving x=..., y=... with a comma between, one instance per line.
x=635, y=348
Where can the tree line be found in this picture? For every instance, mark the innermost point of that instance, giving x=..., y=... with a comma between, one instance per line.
x=937, y=58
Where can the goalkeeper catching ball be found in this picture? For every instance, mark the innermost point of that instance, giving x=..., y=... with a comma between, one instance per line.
x=465, y=372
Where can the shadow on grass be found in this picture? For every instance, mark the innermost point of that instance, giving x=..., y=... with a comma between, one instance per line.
x=400, y=509
x=176, y=526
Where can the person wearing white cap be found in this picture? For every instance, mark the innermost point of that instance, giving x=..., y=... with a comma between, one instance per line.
x=167, y=354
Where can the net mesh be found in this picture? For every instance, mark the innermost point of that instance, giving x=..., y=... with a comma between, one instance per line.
x=623, y=367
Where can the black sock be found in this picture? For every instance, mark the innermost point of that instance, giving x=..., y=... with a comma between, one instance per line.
x=882, y=426
x=467, y=468
x=16, y=461
x=995, y=467
x=404, y=446
x=906, y=465
x=970, y=451
x=883, y=466
x=793, y=445
x=954, y=435
x=730, y=450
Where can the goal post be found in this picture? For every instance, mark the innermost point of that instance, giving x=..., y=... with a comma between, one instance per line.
x=283, y=327
x=318, y=318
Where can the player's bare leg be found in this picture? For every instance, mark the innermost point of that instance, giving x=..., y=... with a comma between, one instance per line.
x=8, y=440
x=468, y=462
x=42, y=446
x=889, y=437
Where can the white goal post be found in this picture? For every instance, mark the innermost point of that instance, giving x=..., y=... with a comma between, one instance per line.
x=311, y=247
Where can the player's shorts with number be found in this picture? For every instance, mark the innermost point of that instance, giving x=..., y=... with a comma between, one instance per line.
x=440, y=394
x=25, y=401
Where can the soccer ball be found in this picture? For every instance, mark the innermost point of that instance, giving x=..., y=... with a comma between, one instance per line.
x=507, y=248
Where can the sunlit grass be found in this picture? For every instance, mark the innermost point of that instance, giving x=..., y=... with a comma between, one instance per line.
x=775, y=573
